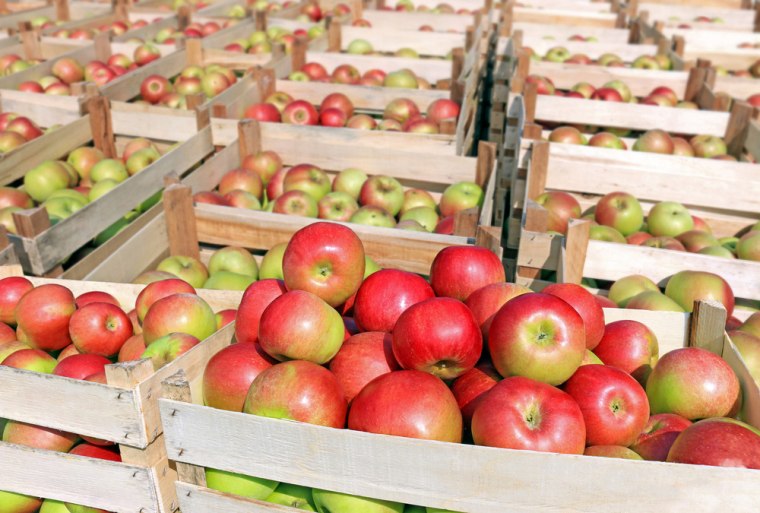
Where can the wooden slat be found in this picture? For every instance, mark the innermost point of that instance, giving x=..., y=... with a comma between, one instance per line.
x=197, y=499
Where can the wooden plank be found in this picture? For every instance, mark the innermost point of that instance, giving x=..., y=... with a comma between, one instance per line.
x=177, y=388
x=518, y=480
x=708, y=326
x=180, y=221
x=198, y=499
x=576, y=243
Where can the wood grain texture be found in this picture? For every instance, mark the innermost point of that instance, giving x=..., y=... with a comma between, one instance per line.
x=180, y=221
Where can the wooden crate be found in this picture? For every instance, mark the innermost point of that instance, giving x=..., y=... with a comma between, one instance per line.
x=125, y=411
x=7, y=252
x=733, y=18
x=56, y=11
x=42, y=247
x=723, y=4
x=725, y=194
x=183, y=228
x=452, y=476
x=511, y=13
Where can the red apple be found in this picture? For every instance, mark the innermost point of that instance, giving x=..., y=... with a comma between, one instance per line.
x=80, y=366
x=154, y=88
x=630, y=346
x=229, y=374
x=263, y=112
x=655, y=440
x=38, y=437
x=458, y=271
x=132, y=349
x=256, y=298
x=718, y=442
x=300, y=112
x=43, y=316
x=100, y=328
x=179, y=313
x=385, y=295
x=561, y=207
x=442, y=109
x=587, y=307
x=487, y=300
x=470, y=388
x=338, y=101
x=12, y=290
x=159, y=290
x=94, y=451
x=95, y=296
x=362, y=358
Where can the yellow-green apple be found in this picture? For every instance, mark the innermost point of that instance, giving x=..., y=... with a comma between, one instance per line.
x=439, y=336
x=626, y=288
x=414, y=198
x=228, y=280
x=179, y=313
x=630, y=346
x=135, y=145
x=80, y=366
x=749, y=348
x=584, y=88
x=717, y=251
x=18, y=503
x=686, y=287
x=83, y=159
x=400, y=79
x=748, y=247
x=229, y=374
x=460, y=196
x=43, y=315
x=401, y=110
x=326, y=259
x=256, y=299
x=359, y=47
x=561, y=207
x=35, y=360
x=385, y=295
x=657, y=437
x=132, y=349
x=694, y=383
x=614, y=406
x=458, y=271
x=100, y=328
x=337, y=206
x=48, y=177
x=470, y=388
x=271, y=264
x=6, y=218
x=607, y=140
x=234, y=259
x=38, y=437
x=611, y=451
x=537, y=336
x=362, y=358
x=298, y=203
x=606, y=234
x=309, y=179
x=294, y=496
x=265, y=164
x=487, y=300
x=557, y=54
x=239, y=484
x=141, y=159
x=299, y=325
x=101, y=188
x=336, y=502
x=279, y=99
x=214, y=83
x=621, y=211
x=425, y=217
x=112, y=169
x=521, y=413
x=718, y=442
x=442, y=109
x=654, y=141
x=408, y=403
x=158, y=290
x=168, y=348
x=373, y=216
x=382, y=191
x=185, y=268
x=567, y=135
x=669, y=219
x=12, y=289
x=421, y=125
x=349, y=181
x=587, y=307
x=298, y=390
x=653, y=300
x=51, y=506
x=708, y=146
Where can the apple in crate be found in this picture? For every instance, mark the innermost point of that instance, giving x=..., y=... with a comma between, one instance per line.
x=657, y=437
x=686, y=287
x=12, y=289
x=630, y=346
x=43, y=316
x=35, y=360
x=159, y=290
x=336, y=502
x=186, y=268
x=229, y=374
x=239, y=484
x=81, y=366
x=100, y=328
x=487, y=300
x=587, y=307
x=168, y=348
x=382, y=191
x=38, y=437
x=179, y=313
x=460, y=196
x=561, y=207
x=458, y=271
x=720, y=442
x=385, y=295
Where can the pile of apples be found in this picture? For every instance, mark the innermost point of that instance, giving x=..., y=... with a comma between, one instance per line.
x=305, y=190
x=15, y=130
x=67, y=71
x=348, y=74
x=651, y=141
x=117, y=27
x=261, y=42
x=560, y=54
x=209, y=81
x=337, y=110
x=442, y=8
x=466, y=357
x=46, y=329
x=364, y=47
x=13, y=63
x=64, y=187
x=618, y=217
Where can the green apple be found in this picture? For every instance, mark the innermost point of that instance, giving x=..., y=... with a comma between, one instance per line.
x=621, y=211
x=336, y=502
x=51, y=506
x=227, y=280
x=625, y=288
x=370, y=266
x=271, y=264
x=669, y=219
x=411, y=225
x=13, y=502
x=59, y=209
x=417, y=198
x=653, y=300
x=360, y=47
x=686, y=287
x=141, y=159
x=606, y=234
x=298, y=497
x=168, y=348
x=716, y=251
x=71, y=194
x=407, y=53
x=45, y=179
x=239, y=484
x=460, y=196
x=401, y=79
x=350, y=181
x=373, y=216
x=150, y=202
x=425, y=216
x=111, y=169
x=102, y=188
x=234, y=259
x=185, y=268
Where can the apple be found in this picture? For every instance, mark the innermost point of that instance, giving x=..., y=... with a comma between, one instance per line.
x=458, y=271
x=81, y=366
x=100, y=328
x=521, y=413
x=401, y=110
x=470, y=388
x=630, y=286
x=225, y=317
x=132, y=349
x=229, y=374
x=653, y=300
x=338, y=101
x=227, y=280
x=385, y=295
x=708, y=146
x=361, y=122
x=439, y=336
x=314, y=70
x=657, y=437
x=425, y=218
x=89, y=450
x=538, y=336
x=68, y=70
x=309, y=179
x=256, y=299
x=337, y=206
x=557, y=54
x=359, y=47
x=607, y=140
x=9, y=141
x=748, y=346
x=298, y=390
x=146, y=53
x=299, y=325
x=567, y=135
x=43, y=315
x=487, y=300
x=12, y=289
x=326, y=259
x=611, y=451
x=294, y=496
x=265, y=164
x=407, y=403
x=693, y=383
x=167, y=348
x=83, y=159
x=43, y=180
x=158, y=290
x=239, y=484
x=109, y=169
x=606, y=234
x=233, y=259
x=561, y=207
x=336, y=502
x=296, y=203
x=670, y=219
x=271, y=264
x=587, y=307
x=346, y=74
x=373, y=216
x=185, y=268
x=686, y=287
x=718, y=442
x=214, y=83
x=95, y=296
x=654, y=141
x=382, y=191
x=155, y=87
x=621, y=211
x=421, y=125
x=24, y=127
x=300, y=112
x=461, y=196
x=630, y=346
x=38, y=437
x=263, y=112
x=35, y=360
x=179, y=313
